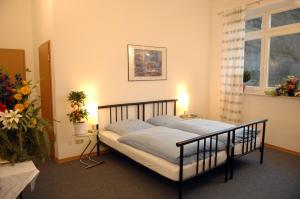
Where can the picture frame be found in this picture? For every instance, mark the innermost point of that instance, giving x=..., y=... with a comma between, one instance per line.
x=146, y=63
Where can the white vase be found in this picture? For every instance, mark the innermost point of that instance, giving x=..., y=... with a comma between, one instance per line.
x=80, y=128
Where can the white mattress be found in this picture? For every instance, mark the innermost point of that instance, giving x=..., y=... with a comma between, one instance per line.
x=157, y=164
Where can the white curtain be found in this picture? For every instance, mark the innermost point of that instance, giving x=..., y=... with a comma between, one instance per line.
x=232, y=68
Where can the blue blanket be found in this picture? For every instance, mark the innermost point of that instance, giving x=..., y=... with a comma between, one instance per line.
x=204, y=127
x=161, y=142
x=200, y=126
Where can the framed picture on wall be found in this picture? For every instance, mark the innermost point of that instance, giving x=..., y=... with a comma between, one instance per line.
x=147, y=63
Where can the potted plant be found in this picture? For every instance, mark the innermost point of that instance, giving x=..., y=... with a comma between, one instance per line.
x=290, y=88
x=23, y=134
x=247, y=77
x=79, y=114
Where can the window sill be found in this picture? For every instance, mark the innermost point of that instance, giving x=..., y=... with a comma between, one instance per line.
x=261, y=94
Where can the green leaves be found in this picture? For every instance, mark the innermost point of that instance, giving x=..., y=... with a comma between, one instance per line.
x=77, y=104
x=247, y=76
x=77, y=97
x=18, y=145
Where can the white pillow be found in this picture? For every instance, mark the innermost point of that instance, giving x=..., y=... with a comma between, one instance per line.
x=127, y=126
x=164, y=120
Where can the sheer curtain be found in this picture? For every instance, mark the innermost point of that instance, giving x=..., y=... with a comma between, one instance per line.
x=232, y=68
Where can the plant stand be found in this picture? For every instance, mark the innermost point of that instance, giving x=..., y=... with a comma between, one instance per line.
x=89, y=163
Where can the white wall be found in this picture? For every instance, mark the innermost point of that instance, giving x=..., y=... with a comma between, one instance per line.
x=16, y=29
x=90, y=39
x=42, y=27
x=283, y=113
x=283, y=128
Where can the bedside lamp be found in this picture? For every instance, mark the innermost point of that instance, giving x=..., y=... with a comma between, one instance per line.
x=183, y=102
x=93, y=115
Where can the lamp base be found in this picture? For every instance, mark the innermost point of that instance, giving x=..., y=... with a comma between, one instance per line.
x=189, y=116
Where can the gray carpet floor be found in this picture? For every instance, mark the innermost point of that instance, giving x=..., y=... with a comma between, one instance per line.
x=121, y=178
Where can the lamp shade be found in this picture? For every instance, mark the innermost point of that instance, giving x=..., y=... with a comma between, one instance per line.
x=183, y=102
x=92, y=109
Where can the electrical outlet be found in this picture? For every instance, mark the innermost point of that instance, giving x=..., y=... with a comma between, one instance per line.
x=79, y=141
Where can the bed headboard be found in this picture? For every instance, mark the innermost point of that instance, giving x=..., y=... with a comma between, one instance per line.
x=140, y=110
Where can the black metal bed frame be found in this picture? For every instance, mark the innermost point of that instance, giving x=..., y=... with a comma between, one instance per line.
x=160, y=107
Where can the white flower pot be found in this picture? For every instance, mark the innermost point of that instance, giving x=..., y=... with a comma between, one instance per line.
x=80, y=128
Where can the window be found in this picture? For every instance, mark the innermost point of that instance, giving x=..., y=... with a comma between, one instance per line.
x=252, y=61
x=253, y=24
x=284, y=58
x=285, y=18
x=272, y=47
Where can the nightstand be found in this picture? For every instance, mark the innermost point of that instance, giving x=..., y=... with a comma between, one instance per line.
x=91, y=162
x=189, y=116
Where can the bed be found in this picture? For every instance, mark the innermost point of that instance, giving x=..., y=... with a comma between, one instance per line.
x=157, y=164
x=204, y=160
x=245, y=139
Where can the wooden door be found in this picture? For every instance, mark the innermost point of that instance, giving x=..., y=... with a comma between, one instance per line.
x=46, y=88
x=13, y=62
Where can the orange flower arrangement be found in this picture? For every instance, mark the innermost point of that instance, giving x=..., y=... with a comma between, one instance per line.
x=26, y=103
x=18, y=96
x=22, y=131
x=19, y=107
x=25, y=90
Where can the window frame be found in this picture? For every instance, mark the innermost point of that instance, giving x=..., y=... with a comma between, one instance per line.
x=265, y=34
x=253, y=35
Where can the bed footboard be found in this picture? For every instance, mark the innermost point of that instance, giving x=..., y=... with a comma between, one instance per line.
x=245, y=136
x=247, y=140
x=209, y=155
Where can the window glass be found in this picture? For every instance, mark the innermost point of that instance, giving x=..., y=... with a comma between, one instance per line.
x=253, y=24
x=284, y=58
x=252, y=61
x=285, y=18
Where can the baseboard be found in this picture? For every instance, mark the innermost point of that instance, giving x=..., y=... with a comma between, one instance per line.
x=282, y=149
x=64, y=160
